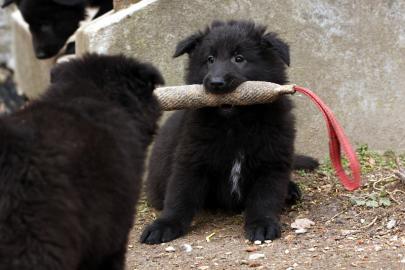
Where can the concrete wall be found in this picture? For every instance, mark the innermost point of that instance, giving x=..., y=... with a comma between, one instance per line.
x=5, y=38
x=352, y=53
x=31, y=75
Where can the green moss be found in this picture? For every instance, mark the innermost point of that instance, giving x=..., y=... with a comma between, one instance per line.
x=369, y=160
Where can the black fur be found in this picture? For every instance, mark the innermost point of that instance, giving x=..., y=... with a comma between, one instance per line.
x=52, y=22
x=307, y=163
x=195, y=150
x=71, y=165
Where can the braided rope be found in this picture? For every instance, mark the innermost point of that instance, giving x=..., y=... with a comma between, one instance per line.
x=194, y=96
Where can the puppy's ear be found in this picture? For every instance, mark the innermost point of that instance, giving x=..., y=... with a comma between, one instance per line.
x=151, y=75
x=281, y=48
x=7, y=3
x=69, y=2
x=188, y=44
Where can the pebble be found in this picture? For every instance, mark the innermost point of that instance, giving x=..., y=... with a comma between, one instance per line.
x=301, y=231
x=391, y=224
x=244, y=262
x=170, y=249
x=187, y=248
x=289, y=237
x=377, y=248
x=256, y=256
x=204, y=267
x=394, y=238
x=255, y=264
x=348, y=232
x=252, y=249
x=302, y=223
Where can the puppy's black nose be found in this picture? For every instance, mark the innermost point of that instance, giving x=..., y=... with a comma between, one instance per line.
x=217, y=83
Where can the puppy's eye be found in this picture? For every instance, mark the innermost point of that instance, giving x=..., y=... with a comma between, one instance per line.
x=239, y=58
x=210, y=59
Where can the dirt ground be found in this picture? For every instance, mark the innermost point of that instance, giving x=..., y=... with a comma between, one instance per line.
x=364, y=229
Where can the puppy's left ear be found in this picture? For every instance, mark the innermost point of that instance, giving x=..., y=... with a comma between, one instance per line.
x=188, y=44
x=69, y=2
x=281, y=48
x=152, y=76
x=7, y=3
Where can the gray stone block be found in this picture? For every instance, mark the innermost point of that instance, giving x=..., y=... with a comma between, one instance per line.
x=352, y=53
x=31, y=74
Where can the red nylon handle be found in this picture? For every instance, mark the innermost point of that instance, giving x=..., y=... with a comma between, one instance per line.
x=337, y=141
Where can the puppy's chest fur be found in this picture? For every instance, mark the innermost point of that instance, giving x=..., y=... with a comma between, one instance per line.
x=235, y=166
x=235, y=176
x=232, y=151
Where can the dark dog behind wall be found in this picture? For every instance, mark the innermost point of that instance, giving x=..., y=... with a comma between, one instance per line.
x=71, y=165
x=52, y=22
x=231, y=158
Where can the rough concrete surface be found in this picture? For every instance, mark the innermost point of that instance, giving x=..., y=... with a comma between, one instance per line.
x=31, y=74
x=352, y=53
x=120, y=4
x=5, y=40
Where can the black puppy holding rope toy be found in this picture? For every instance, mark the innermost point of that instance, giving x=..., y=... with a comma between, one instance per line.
x=238, y=155
x=257, y=92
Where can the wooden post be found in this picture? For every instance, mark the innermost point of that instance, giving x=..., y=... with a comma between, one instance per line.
x=120, y=4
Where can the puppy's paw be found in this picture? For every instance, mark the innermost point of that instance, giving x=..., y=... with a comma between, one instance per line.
x=161, y=231
x=262, y=230
x=294, y=194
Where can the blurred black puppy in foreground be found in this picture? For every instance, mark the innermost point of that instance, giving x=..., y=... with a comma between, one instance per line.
x=52, y=22
x=71, y=165
x=231, y=158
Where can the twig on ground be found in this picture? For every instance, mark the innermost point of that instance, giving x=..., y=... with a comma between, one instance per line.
x=391, y=194
x=401, y=171
x=332, y=218
x=208, y=238
x=370, y=224
x=382, y=180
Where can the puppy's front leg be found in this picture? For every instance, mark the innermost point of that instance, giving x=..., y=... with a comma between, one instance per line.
x=184, y=197
x=264, y=204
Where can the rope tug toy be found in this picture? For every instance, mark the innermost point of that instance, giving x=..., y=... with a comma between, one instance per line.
x=253, y=92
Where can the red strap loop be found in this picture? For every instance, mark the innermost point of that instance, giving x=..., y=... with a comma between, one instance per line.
x=337, y=139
